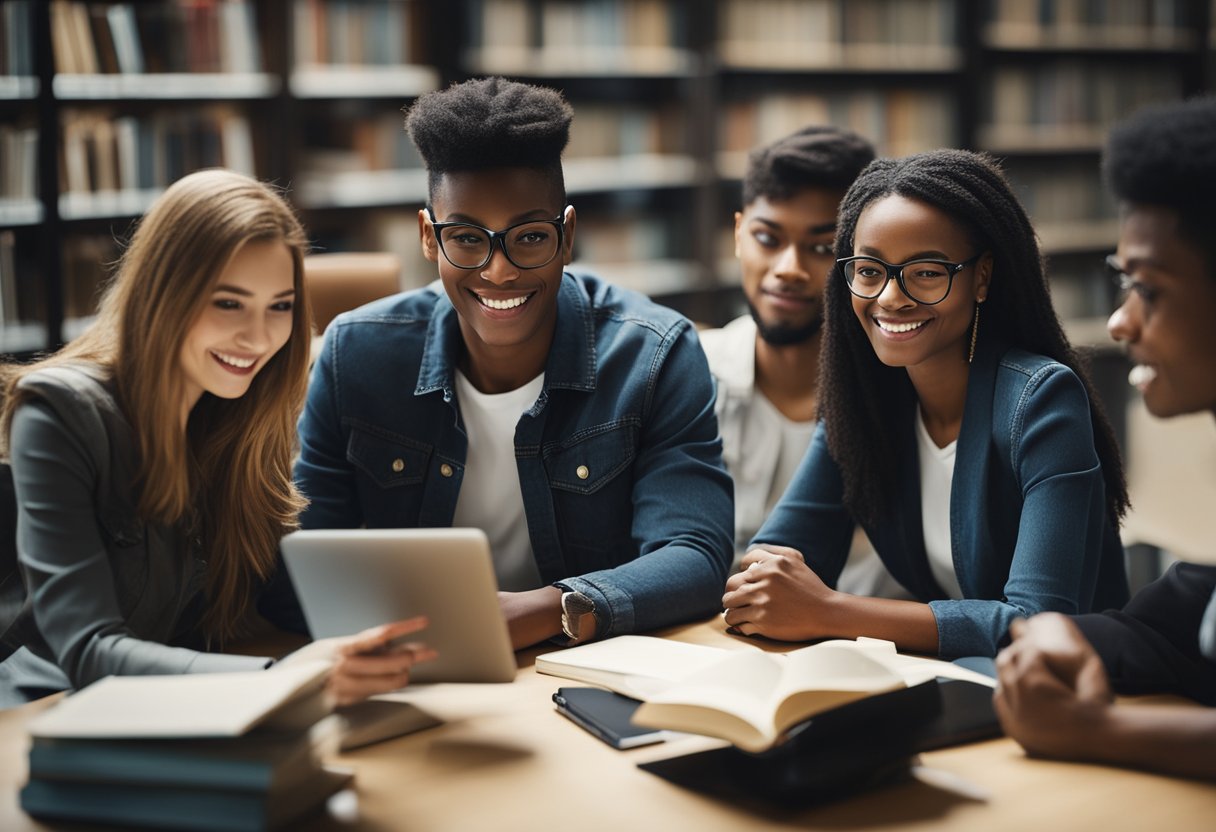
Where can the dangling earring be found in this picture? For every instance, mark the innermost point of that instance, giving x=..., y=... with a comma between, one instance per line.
x=975, y=328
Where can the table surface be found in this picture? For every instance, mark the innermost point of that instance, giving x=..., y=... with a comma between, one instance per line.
x=504, y=759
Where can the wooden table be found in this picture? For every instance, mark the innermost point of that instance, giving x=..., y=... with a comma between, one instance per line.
x=506, y=760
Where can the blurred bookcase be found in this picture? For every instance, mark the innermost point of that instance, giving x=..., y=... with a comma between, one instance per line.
x=105, y=103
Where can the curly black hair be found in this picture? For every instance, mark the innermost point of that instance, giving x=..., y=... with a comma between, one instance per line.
x=859, y=394
x=1166, y=155
x=489, y=123
x=819, y=156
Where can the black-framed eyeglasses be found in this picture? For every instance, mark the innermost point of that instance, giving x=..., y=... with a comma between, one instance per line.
x=528, y=245
x=925, y=281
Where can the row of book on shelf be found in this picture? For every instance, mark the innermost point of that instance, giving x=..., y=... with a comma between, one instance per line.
x=18, y=162
x=16, y=47
x=103, y=153
x=1152, y=14
x=369, y=33
x=134, y=38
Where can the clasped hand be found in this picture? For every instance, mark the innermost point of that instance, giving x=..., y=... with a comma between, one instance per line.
x=1053, y=689
x=374, y=661
x=778, y=596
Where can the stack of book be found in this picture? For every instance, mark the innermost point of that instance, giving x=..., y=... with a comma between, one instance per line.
x=234, y=751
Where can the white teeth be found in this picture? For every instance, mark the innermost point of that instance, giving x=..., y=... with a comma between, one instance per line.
x=239, y=363
x=510, y=303
x=1141, y=374
x=891, y=327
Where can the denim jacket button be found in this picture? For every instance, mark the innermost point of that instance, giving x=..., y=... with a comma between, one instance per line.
x=398, y=465
x=582, y=472
x=445, y=469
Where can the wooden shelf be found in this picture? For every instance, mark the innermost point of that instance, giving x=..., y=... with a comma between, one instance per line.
x=18, y=212
x=106, y=204
x=166, y=86
x=582, y=61
x=18, y=87
x=407, y=81
x=836, y=57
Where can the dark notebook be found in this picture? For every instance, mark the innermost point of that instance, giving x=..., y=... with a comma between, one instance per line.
x=606, y=715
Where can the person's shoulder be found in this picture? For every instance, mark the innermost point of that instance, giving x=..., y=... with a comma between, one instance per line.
x=413, y=306
x=736, y=340
x=70, y=384
x=1024, y=367
x=631, y=309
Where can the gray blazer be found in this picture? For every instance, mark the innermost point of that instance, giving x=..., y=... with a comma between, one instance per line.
x=105, y=593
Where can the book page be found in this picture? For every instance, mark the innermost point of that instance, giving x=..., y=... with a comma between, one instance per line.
x=824, y=676
x=637, y=666
x=733, y=698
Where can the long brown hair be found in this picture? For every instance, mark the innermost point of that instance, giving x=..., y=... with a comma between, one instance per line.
x=227, y=478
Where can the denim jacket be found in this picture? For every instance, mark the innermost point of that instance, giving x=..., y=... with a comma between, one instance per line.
x=1028, y=524
x=619, y=460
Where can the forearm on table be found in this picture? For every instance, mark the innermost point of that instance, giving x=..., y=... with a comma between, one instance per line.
x=910, y=624
x=1171, y=739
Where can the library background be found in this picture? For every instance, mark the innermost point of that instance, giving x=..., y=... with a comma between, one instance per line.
x=104, y=103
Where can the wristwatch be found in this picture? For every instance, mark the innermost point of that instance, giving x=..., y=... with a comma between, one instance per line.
x=578, y=617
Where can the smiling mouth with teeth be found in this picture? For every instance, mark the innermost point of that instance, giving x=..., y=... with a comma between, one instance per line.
x=1141, y=374
x=509, y=303
x=893, y=327
x=233, y=361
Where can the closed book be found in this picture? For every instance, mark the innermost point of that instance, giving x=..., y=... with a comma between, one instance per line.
x=181, y=807
x=286, y=698
x=258, y=761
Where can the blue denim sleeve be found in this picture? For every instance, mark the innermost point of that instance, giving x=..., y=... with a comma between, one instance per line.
x=322, y=472
x=1060, y=533
x=683, y=519
x=810, y=516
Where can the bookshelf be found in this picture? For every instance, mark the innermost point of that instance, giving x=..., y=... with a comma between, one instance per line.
x=104, y=102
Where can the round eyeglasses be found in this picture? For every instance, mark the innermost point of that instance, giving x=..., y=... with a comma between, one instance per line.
x=925, y=281
x=528, y=245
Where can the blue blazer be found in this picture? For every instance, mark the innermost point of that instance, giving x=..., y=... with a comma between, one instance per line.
x=1029, y=530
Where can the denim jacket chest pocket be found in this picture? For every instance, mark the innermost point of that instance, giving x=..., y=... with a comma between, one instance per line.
x=391, y=471
x=592, y=486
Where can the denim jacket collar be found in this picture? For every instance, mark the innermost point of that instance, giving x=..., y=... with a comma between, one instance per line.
x=572, y=359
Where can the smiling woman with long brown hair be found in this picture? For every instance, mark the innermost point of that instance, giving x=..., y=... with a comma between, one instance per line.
x=152, y=455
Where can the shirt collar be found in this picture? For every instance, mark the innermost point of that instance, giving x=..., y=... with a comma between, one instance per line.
x=572, y=357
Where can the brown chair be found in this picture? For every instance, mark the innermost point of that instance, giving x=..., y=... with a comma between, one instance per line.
x=341, y=281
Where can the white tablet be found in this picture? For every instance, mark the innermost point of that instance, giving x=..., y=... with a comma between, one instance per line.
x=351, y=579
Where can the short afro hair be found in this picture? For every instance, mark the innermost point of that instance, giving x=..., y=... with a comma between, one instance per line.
x=1165, y=155
x=490, y=123
x=819, y=156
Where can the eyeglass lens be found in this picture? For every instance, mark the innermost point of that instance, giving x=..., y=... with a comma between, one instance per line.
x=528, y=246
x=923, y=282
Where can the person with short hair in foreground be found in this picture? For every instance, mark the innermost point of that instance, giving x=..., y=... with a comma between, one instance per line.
x=1058, y=677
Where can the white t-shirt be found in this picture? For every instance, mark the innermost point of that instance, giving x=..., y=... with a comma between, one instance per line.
x=490, y=495
x=936, y=482
x=794, y=438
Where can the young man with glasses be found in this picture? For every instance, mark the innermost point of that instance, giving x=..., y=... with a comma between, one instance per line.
x=570, y=420
x=766, y=362
x=1058, y=675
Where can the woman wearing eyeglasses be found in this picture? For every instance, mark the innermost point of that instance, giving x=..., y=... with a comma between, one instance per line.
x=957, y=427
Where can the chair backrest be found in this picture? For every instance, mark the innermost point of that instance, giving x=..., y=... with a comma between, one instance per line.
x=341, y=281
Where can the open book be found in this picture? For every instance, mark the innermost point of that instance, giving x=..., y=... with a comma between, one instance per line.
x=746, y=696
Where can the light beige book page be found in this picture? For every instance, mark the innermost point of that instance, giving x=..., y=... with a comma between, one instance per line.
x=637, y=666
x=186, y=705
x=751, y=698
